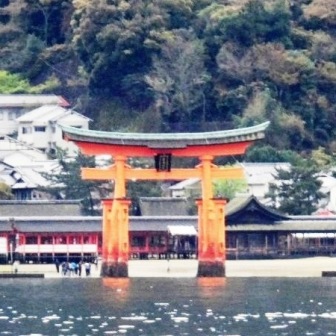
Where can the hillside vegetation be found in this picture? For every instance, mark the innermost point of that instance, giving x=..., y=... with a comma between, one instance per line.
x=182, y=65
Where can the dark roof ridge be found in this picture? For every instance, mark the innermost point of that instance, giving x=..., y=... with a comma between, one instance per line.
x=239, y=203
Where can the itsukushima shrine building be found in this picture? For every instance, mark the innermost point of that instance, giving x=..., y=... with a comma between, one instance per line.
x=40, y=232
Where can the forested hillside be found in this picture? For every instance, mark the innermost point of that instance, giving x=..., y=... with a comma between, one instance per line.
x=181, y=65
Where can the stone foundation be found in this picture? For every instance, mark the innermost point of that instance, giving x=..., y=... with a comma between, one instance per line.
x=114, y=270
x=210, y=269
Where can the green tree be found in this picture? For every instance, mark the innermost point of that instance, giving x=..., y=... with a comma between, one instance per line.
x=297, y=191
x=13, y=83
x=115, y=41
x=267, y=153
x=67, y=183
x=229, y=188
x=258, y=23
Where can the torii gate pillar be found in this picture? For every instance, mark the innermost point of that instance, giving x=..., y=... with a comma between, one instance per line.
x=115, y=238
x=211, y=238
x=115, y=227
x=211, y=227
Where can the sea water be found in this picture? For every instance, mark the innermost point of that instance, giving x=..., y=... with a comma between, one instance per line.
x=184, y=306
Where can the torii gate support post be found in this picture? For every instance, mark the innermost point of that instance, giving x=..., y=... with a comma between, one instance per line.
x=211, y=238
x=211, y=228
x=115, y=227
x=115, y=238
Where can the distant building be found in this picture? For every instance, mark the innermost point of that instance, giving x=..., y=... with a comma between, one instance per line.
x=258, y=177
x=17, y=153
x=24, y=182
x=39, y=128
x=13, y=106
x=22, y=168
x=187, y=188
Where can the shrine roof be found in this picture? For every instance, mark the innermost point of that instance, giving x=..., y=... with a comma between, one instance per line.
x=165, y=140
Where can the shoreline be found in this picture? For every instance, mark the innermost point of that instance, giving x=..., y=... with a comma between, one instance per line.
x=178, y=268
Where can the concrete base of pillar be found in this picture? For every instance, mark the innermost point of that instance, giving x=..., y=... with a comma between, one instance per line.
x=210, y=269
x=114, y=270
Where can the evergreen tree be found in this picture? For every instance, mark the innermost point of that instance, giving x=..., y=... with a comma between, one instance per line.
x=68, y=184
x=297, y=191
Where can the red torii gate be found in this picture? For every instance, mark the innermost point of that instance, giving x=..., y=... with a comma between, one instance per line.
x=162, y=147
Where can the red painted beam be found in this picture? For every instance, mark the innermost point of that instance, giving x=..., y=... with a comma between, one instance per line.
x=227, y=149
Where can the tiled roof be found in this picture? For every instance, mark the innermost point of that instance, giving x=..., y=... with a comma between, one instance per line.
x=163, y=206
x=26, y=100
x=287, y=226
x=239, y=204
x=89, y=224
x=18, y=209
x=46, y=113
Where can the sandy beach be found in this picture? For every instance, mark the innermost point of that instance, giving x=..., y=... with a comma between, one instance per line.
x=303, y=267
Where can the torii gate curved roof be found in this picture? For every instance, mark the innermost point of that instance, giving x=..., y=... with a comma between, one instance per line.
x=147, y=144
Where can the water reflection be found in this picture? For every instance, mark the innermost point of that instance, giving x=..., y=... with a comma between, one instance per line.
x=121, y=286
x=209, y=287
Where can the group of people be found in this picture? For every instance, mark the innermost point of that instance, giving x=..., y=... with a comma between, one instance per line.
x=72, y=268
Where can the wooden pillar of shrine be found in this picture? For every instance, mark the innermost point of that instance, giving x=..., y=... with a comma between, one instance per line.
x=211, y=239
x=211, y=228
x=115, y=251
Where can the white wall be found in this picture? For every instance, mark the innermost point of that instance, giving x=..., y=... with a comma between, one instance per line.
x=8, y=124
x=51, y=137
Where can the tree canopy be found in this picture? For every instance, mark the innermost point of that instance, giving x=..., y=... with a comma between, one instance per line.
x=297, y=191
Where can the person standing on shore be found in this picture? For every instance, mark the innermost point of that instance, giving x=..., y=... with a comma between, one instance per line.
x=16, y=266
x=64, y=268
x=80, y=268
x=57, y=264
x=87, y=266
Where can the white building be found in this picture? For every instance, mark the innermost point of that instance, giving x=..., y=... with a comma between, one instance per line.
x=187, y=188
x=329, y=188
x=39, y=128
x=22, y=168
x=24, y=182
x=259, y=176
x=13, y=106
